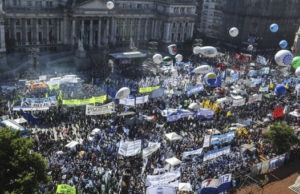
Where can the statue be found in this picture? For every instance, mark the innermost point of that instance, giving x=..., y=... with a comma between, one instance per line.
x=80, y=52
x=132, y=45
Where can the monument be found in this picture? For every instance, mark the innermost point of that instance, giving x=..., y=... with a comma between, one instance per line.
x=80, y=52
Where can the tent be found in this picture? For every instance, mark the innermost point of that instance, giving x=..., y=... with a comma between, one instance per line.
x=14, y=125
x=20, y=120
x=130, y=148
x=65, y=189
x=173, y=161
x=185, y=187
x=173, y=136
x=72, y=144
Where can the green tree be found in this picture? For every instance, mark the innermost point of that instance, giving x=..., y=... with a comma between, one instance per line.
x=282, y=137
x=21, y=170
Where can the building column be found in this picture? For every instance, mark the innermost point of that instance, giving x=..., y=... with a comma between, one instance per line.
x=91, y=34
x=47, y=31
x=107, y=31
x=61, y=31
x=99, y=33
x=82, y=30
x=66, y=31
x=14, y=29
x=57, y=31
x=123, y=30
x=182, y=32
x=37, y=31
x=146, y=30
x=167, y=36
x=192, y=30
x=139, y=30
x=26, y=37
x=112, y=35
x=152, y=29
x=2, y=37
x=176, y=32
x=73, y=32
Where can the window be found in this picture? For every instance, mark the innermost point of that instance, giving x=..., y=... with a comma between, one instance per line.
x=39, y=22
x=28, y=21
x=29, y=3
x=18, y=36
x=139, y=6
x=49, y=4
x=15, y=2
x=181, y=10
x=38, y=4
x=50, y=22
x=17, y=22
x=40, y=37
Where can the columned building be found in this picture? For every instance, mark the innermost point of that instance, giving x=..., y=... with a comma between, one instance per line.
x=53, y=23
x=296, y=46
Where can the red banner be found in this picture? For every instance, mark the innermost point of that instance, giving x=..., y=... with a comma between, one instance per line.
x=278, y=112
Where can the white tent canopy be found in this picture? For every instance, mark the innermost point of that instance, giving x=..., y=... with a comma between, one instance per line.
x=173, y=136
x=152, y=147
x=20, y=120
x=173, y=161
x=130, y=148
x=72, y=144
x=13, y=124
x=185, y=187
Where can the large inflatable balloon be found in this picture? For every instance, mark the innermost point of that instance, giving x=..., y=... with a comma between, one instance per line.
x=167, y=61
x=196, y=50
x=210, y=79
x=157, y=59
x=122, y=93
x=208, y=51
x=296, y=62
x=172, y=49
x=280, y=90
x=202, y=69
x=283, y=44
x=234, y=32
x=297, y=72
x=283, y=57
x=250, y=47
x=178, y=58
x=110, y=5
x=274, y=27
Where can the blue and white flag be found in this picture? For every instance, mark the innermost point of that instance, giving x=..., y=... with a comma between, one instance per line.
x=235, y=77
x=223, y=138
x=195, y=90
x=179, y=114
x=216, y=153
x=205, y=113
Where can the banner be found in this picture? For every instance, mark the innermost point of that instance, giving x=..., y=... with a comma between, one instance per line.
x=54, y=87
x=138, y=100
x=206, y=142
x=163, y=179
x=148, y=89
x=195, y=90
x=265, y=166
x=130, y=148
x=205, y=113
x=238, y=102
x=278, y=112
x=194, y=152
x=216, y=153
x=223, y=138
x=161, y=189
x=100, y=110
x=219, y=185
x=63, y=189
x=255, y=98
x=152, y=147
x=63, y=80
x=157, y=93
x=179, y=114
x=264, y=88
x=33, y=104
x=30, y=118
x=81, y=102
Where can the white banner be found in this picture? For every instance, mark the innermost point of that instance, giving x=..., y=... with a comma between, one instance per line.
x=238, y=102
x=163, y=179
x=264, y=88
x=255, y=98
x=130, y=102
x=206, y=142
x=130, y=148
x=161, y=189
x=194, y=152
x=39, y=102
x=152, y=147
x=43, y=77
x=100, y=110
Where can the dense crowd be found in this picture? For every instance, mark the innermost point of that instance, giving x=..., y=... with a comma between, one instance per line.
x=94, y=165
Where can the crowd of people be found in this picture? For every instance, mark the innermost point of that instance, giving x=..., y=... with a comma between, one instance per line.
x=94, y=165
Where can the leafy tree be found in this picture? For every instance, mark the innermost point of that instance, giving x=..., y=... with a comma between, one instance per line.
x=282, y=137
x=21, y=170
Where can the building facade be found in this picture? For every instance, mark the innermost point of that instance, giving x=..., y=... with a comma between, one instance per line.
x=296, y=46
x=51, y=23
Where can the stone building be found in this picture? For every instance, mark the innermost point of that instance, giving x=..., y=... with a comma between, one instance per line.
x=55, y=23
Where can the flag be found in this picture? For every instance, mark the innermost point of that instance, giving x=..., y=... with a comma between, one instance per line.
x=29, y=117
x=228, y=114
x=278, y=112
x=271, y=85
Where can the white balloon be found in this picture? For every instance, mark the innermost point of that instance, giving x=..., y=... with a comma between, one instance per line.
x=250, y=47
x=196, y=50
x=178, y=57
x=122, y=93
x=283, y=57
x=157, y=58
x=203, y=69
x=172, y=49
x=110, y=5
x=297, y=72
x=234, y=32
x=208, y=51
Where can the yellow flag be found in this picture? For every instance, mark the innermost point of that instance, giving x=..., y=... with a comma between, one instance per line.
x=271, y=85
x=228, y=113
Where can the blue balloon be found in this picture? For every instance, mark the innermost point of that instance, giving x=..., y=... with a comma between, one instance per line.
x=283, y=44
x=274, y=27
x=280, y=90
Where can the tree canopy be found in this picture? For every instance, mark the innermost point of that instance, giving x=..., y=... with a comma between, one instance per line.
x=21, y=170
x=282, y=137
